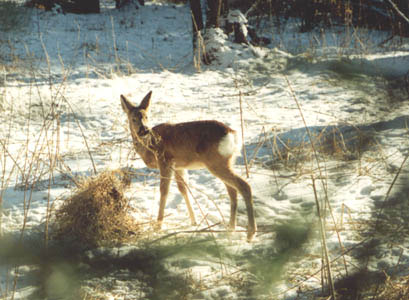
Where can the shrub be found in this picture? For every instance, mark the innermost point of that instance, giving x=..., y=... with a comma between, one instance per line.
x=361, y=13
x=13, y=16
x=97, y=213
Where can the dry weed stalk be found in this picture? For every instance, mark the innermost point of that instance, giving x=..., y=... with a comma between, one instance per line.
x=242, y=131
x=321, y=217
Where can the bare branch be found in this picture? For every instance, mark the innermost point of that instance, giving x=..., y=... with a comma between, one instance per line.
x=395, y=7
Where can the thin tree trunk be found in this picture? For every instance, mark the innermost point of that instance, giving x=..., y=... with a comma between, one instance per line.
x=212, y=14
x=197, y=19
x=215, y=9
x=199, y=48
x=88, y=6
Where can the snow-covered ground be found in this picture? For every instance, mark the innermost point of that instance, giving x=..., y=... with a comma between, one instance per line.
x=61, y=79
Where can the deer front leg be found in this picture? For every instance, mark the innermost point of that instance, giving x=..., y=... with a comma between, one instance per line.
x=165, y=177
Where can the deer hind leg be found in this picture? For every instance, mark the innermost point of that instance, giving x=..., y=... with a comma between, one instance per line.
x=233, y=206
x=180, y=176
x=166, y=173
x=226, y=174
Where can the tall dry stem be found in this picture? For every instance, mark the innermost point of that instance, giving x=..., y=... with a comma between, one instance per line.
x=330, y=279
x=242, y=136
x=117, y=59
x=83, y=135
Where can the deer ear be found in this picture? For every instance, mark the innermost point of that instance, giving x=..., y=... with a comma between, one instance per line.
x=127, y=106
x=146, y=101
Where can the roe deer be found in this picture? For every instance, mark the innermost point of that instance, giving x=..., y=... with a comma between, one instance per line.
x=173, y=148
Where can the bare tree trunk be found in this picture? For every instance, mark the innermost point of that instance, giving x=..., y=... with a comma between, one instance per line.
x=199, y=49
x=123, y=3
x=402, y=9
x=88, y=6
x=215, y=9
x=197, y=19
x=212, y=13
x=239, y=36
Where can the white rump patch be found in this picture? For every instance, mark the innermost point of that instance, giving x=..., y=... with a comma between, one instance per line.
x=228, y=145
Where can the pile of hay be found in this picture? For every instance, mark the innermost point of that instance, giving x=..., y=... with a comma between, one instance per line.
x=97, y=213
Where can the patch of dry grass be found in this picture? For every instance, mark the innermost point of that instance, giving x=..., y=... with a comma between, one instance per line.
x=395, y=288
x=98, y=212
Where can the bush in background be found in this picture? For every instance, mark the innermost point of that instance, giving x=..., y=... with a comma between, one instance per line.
x=374, y=14
x=13, y=16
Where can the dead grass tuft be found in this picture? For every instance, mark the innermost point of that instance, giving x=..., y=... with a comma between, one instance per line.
x=396, y=289
x=97, y=213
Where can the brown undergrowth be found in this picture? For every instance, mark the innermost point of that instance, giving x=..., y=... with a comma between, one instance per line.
x=97, y=213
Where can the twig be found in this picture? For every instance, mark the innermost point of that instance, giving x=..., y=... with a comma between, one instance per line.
x=206, y=229
x=260, y=144
x=323, y=239
x=117, y=59
x=332, y=288
x=82, y=133
x=320, y=269
x=395, y=7
x=213, y=201
x=389, y=191
x=242, y=136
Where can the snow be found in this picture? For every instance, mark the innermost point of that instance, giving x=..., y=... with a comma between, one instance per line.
x=350, y=90
x=236, y=16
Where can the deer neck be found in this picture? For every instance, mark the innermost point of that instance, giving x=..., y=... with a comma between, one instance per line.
x=146, y=147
